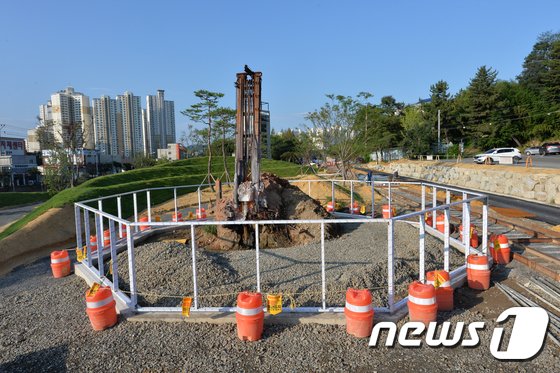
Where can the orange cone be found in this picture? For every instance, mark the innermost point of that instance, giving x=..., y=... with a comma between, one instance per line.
x=201, y=214
x=60, y=263
x=388, y=214
x=178, y=217
x=422, y=305
x=144, y=220
x=444, y=291
x=101, y=308
x=440, y=223
x=478, y=274
x=359, y=313
x=249, y=316
x=503, y=251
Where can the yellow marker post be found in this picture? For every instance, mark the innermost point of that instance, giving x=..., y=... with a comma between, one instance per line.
x=363, y=210
x=186, y=307
x=274, y=303
x=93, y=289
x=79, y=255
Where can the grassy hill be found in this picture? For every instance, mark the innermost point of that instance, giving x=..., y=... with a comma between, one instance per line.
x=184, y=172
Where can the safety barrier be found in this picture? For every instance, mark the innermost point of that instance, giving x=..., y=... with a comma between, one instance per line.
x=95, y=258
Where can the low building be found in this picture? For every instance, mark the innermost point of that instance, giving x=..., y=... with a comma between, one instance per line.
x=173, y=152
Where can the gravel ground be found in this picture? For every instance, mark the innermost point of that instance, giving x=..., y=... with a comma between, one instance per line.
x=358, y=258
x=44, y=327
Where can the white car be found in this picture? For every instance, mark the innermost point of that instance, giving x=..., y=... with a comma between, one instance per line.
x=493, y=155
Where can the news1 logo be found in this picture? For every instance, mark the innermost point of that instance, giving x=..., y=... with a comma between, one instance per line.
x=525, y=341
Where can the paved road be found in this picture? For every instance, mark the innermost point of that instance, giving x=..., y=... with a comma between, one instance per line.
x=549, y=161
x=10, y=215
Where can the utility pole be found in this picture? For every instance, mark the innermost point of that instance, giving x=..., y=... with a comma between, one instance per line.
x=438, y=130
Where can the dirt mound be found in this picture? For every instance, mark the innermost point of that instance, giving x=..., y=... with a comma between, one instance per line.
x=282, y=201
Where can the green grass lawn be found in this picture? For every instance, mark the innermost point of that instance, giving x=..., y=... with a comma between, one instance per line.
x=21, y=198
x=184, y=172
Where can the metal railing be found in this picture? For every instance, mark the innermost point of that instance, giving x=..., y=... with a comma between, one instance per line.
x=128, y=233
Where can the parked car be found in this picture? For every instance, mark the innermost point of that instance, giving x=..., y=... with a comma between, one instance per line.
x=533, y=150
x=493, y=155
x=550, y=148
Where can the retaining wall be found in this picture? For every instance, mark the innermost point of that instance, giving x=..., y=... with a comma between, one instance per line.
x=535, y=184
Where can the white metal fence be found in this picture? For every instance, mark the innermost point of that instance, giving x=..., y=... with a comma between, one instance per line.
x=124, y=233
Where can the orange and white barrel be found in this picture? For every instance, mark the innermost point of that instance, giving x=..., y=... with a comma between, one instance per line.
x=441, y=281
x=422, y=303
x=502, y=251
x=478, y=274
x=388, y=213
x=106, y=238
x=473, y=235
x=491, y=249
x=60, y=263
x=249, y=316
x=123, y=235
x=101, y=308
x=440, y=223
x=201, y=214
x=359, y=312
x=177, y=217
x=144, y=219
x=355, y=209
x=428, y=218
x=93, y=243
x=330, y=207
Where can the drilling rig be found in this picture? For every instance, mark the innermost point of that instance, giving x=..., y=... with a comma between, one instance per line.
x=247, y=192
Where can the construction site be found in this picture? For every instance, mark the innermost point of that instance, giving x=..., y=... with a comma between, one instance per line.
x=291, y=273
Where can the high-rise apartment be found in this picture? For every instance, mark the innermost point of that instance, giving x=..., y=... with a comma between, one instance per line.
x=106, y=129
x=71, y=118
x=160, y=115
x=130, y=115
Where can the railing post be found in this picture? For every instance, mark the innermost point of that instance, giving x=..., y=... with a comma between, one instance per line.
x=131, y=266
x=175, y=202
x=100, y=206
x=434, y=205
x=149, y=203
x=309, y=188
x=119, y=214
x=447, y=197
x=78, y=220
x=422, y=249
x=390, y=266
x=485, y=226
x=114, y=255
x=446, y=240
x=135, y=202
x=351, y=197
x=88, y=234
x=199, y=199
x=332, y=194
x=193, y=254
x=100, y=238
x=323, y=275
x=257, y=259
x=467, y=229
x=389, y=197
x=372, y=198
x=423, y=203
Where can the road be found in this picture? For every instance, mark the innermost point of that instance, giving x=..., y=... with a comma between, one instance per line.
x=545, y=213
x=549, y=161
x=11, y=214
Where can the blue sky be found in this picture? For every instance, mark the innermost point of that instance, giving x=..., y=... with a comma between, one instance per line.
x=305, y=49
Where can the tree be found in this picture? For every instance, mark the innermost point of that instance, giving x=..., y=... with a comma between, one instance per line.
x=204, y=112
x=418, y=133
x=482, y=99
x=224, y=126
x=536, y=66
x=334, y=124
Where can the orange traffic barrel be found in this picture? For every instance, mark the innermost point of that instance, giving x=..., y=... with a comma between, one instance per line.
x=386, y=213
x=249, y=316
x=502, y=250
x=93, y=243
x=355, y=209
x=359, y=312
x=429, y=219
x=440, y=223
x=60, y=263
x=330, y=207
x=144, y=219
x=201, y=213
x=101, y=308
x=473, y=235
x=422, y=304
x=444, y=291
x=123, y=231
x=491, y=249
x=106, y=238
x=478, y=274
x=177, y=217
